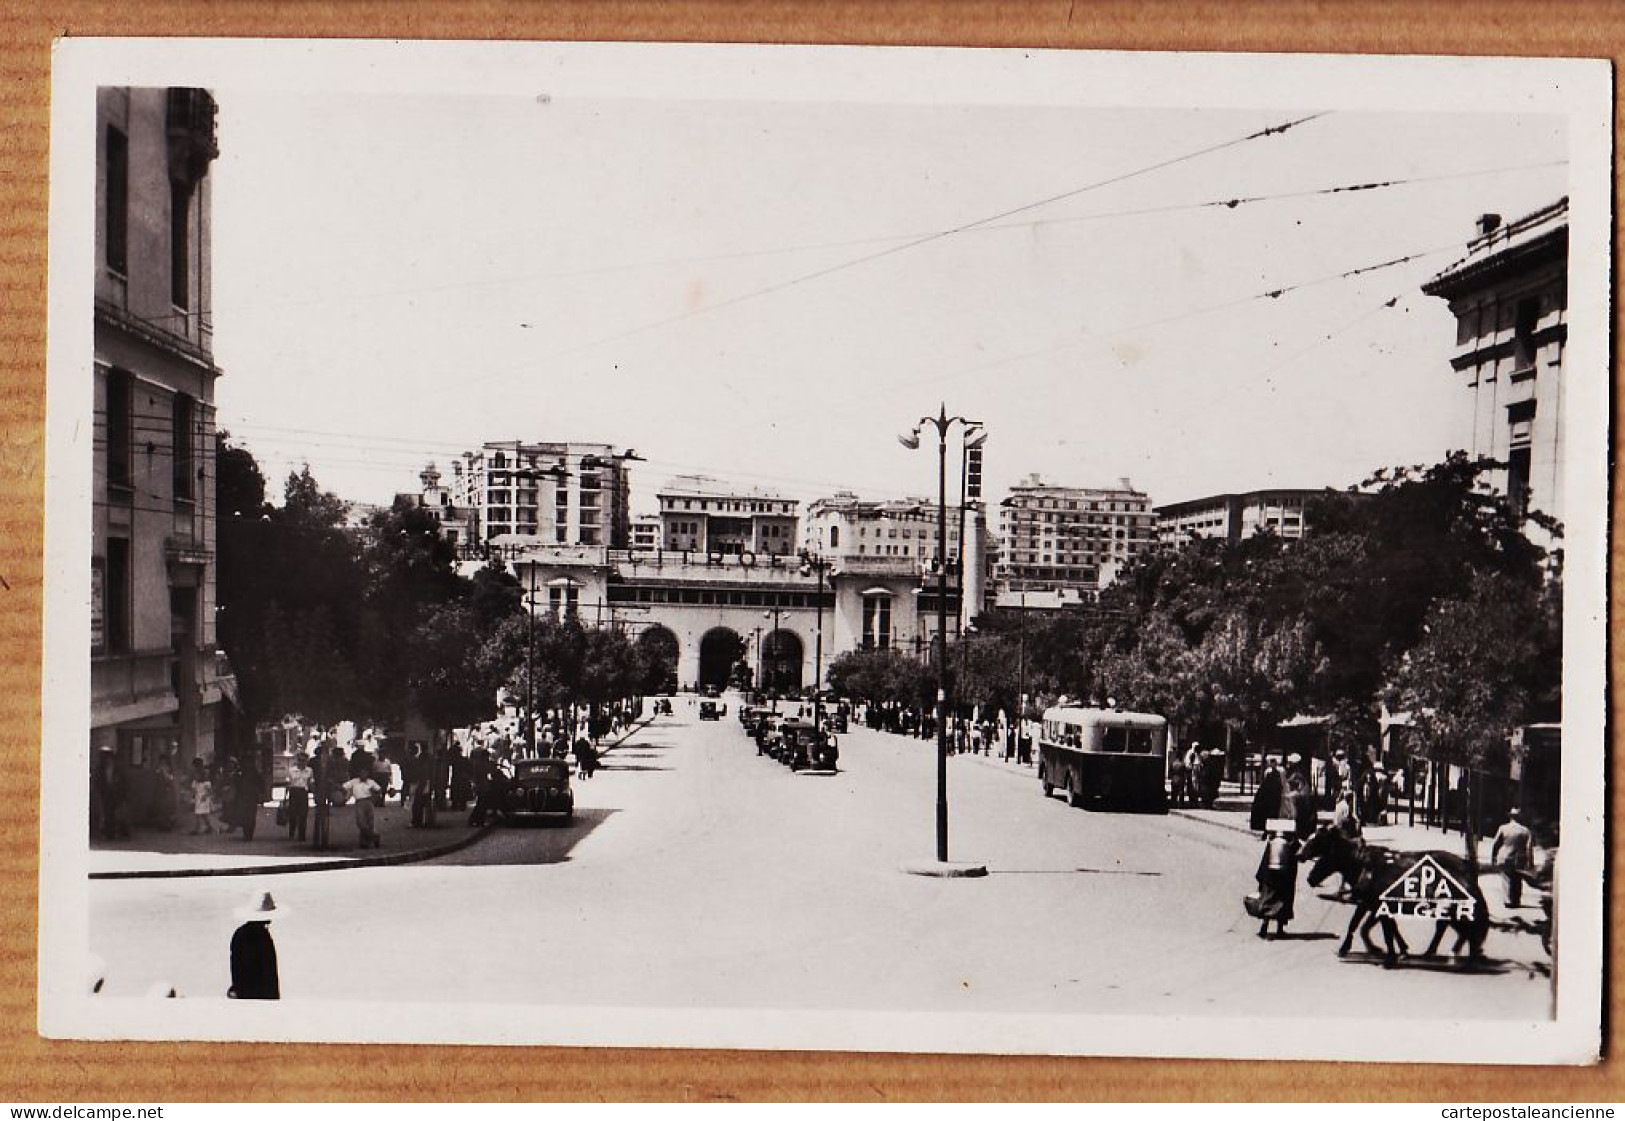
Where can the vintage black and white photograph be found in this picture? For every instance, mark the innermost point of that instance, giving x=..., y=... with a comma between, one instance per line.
x=870, y=549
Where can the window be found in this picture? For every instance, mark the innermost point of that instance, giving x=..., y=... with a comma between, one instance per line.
x=1523, y=335
x=118, y=202
x=180, y=206
x=184, y=462
x=118, y=428
x=116, y=588
x=834, y=537
x=877, y=622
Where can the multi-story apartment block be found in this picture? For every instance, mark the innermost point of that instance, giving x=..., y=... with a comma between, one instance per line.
x=1231, y=517
x=1510, y=299
x=546, y=493
x=157, y=680
x=705, y=515
x=1078, y=538
x=646, y=532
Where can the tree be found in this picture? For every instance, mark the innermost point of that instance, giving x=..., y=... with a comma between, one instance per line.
x=452, y=680
x=288, y=583
x=1258, y=673
x=881, y=676
x=410, y=571
x=1466, y=685
x=1157, y=672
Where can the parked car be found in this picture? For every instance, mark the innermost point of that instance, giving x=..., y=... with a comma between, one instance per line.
x=540, y=788
x=804, y=745
x=767, y=733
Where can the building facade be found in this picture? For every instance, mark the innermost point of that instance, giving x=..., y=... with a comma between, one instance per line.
x=158, y=683
x=704, y=515
x=459, y=525
x=896, y=542
x=646, y=532
x=545, y=493
x=1509, y=295
x=1231, y=517
x=1078, y=538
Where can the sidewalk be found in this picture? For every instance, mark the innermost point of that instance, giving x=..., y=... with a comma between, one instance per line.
x=1233, y=808
x=156, y=854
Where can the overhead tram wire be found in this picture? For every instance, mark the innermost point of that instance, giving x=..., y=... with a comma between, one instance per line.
x=817, y=274
x=419, y=450
x=1192, y=313
x=1230, y=202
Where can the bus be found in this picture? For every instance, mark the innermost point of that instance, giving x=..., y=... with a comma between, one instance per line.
x=1104, y=756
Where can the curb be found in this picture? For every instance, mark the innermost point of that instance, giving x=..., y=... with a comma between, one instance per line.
x=1174, y=811
x=408, y=856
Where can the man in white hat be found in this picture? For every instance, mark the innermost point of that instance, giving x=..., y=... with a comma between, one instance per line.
x=253, y=954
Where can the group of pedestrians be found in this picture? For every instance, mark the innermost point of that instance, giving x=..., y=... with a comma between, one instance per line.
x=227, y=793
x=1285, y=812
x=1195, y=776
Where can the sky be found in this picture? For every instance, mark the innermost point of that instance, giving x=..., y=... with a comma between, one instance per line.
x=770, y=291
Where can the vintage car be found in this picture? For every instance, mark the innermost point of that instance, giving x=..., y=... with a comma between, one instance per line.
x=539, y=788
x=767, y=733
x=805, y=746
x=710, y=710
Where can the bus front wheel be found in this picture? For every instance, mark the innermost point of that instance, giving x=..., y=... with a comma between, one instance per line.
x=1074, y=798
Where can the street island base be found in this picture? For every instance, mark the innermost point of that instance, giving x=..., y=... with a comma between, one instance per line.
x=944, y=869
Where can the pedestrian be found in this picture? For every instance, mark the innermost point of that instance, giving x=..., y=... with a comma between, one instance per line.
x=321, y=805
x=1342, y=772
x=1277, y=877
x=202, y=799
x=1344, y=819
x=247, y=796
x=1267, y=798
x=296, y=796
x=586, y=758
x=110, y=784
x=460, y=785
x=253, y=953
x=1196, y=775
x=1298, y=804
x=412, y=774
x=1179, y=780
x=1212, y=776
x=1372, y=781
x=361, y=788
x=224, y=777
x=1512, y=852
x=338, y=769
x=442, y=776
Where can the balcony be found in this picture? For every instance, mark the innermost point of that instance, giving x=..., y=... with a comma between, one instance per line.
x=884, y=566
x=192, y=143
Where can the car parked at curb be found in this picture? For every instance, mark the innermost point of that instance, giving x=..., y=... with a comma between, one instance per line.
x=539, y=788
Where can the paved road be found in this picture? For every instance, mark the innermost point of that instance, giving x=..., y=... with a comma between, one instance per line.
x=698, y=874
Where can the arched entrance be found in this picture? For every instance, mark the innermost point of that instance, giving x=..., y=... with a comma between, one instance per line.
x=657, y=648
x=720, y=652
x=781, y=662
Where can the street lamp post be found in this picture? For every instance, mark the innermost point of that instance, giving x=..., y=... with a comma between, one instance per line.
x=942, y=422
x=530, y=614
x=814, y=563
x=762, y=650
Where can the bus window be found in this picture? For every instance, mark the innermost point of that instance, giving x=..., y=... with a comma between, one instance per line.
x=1140, y=741
x=1114, y=739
